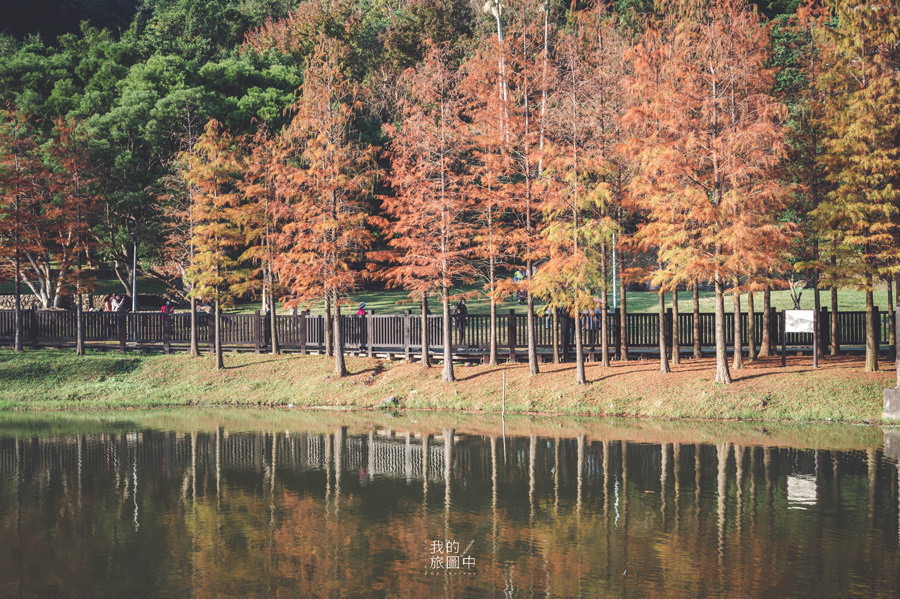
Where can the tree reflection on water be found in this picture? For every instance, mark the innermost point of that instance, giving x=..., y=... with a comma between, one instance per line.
x=335, y=513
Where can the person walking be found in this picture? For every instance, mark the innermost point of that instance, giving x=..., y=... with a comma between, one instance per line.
x=460, y=313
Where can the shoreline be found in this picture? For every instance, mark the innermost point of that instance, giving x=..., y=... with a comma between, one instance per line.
x=839, y=391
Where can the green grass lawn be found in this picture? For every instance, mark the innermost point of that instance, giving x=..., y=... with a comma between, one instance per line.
x=396, y=301
x=59, y=380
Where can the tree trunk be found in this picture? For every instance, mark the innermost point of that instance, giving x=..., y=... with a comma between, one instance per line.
x=533, y=366
x=79, y=312
x=623, y=331
x=17, y=287
x=604, y=325
x=765, y=337
x=273, y=315
x=738, y=346
x=604, y=342
x=892, y=339
x=555, y=319
x=835, y=325
x=817, y=300
x=220, y=362
x=340, y=367
x=580, y=377
x=448, y=339
x=676, y=340
x=663, y=358
x=492, y=342
x=698, y=350
x=329, y=341
x=426, y=357
x=751, y=327
x=195, y=342
x=79, y=325
x=871, y=345
x=722, y=374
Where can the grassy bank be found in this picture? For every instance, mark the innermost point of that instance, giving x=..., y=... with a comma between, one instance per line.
x=59, y=380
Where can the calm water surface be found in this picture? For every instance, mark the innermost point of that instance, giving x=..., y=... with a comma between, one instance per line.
x=326, y=505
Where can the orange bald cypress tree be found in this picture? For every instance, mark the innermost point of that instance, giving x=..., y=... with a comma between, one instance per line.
x=575, y=229
x=20, y=173
x=259, y=221
x=427, y=218
x=861, y=120
x=324, y=185
x=214, y=169
x=77, y=203
x=707, y=136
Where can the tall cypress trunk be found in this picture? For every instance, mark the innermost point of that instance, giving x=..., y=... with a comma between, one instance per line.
x=765, y=338
x=817, y=300
x=871, y=345
x=220, y=362
x=604, y=325
x=340, y=367
x=195, y=342
x=738, y=346
x=751, y=327
x=448, y=339
x=604, y=342
x=17, y=343
x=698, y=352
x=273, y=316
x=533, y=365
x=835, y=329
x=329, y=341
x=79, y=312
x=892, y=339
x=492, y=342
x=623, y=313
x=722, y=374
x=426, y=357
x=663, y=358
x=580, y=377
x=676, y=338
x=555, y=319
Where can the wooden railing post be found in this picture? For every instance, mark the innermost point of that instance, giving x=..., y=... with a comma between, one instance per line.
x=34, y=328
x=167, y=337
x=122, y=327
x=876, y=316
x=302, y=326
x=407, y=334
x=669, y=324
x=511, y=335
x=257, y=333
x=616, y=331
x=824, y=330
x=370, y=332
x=211, y=331
x=773, y=330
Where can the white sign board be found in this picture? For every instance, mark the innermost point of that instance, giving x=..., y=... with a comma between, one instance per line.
x=799, y=321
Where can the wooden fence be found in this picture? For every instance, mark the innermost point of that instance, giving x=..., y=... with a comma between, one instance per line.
x=399, y=335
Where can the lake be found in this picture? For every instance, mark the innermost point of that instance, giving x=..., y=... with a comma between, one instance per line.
x=360, y=504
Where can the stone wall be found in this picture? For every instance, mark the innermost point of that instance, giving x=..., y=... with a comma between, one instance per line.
x=8, y=302
x=29, y=301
